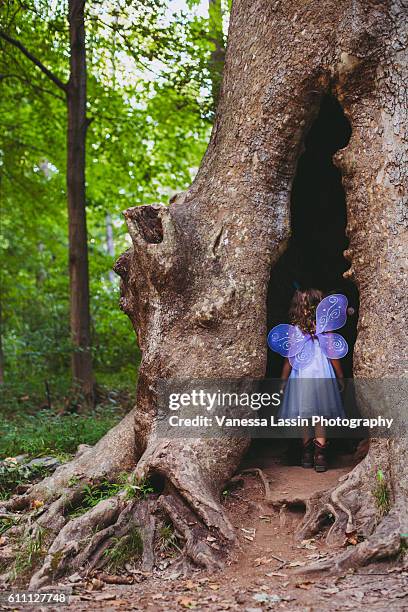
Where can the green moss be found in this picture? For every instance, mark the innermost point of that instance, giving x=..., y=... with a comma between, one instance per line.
x=55, y=561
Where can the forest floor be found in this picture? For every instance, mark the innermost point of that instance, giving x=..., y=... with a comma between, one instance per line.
x=266, y=571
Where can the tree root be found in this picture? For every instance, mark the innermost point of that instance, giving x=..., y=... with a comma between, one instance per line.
x=84, y=543
x=358, y=514
x=345, y=504
x=195, y=481
x=263, y=478
x=384, y=543
x=196, y=537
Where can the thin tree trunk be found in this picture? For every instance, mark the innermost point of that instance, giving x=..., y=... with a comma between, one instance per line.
x=1, y=348
x=78, y=247
x=110, y=246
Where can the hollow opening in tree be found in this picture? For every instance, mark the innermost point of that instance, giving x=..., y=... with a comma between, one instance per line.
x=314, y=256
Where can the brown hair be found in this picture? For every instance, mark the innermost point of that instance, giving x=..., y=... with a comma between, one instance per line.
x=303, y=309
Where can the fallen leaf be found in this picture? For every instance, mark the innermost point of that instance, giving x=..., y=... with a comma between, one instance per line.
x=308, y=544
x=96, y=584
x=113, y=579
x=278, y=574
x=214, y=586
x=351, y=539
x=75, y=577
x=189, y=584
x=187, y=602
x=37, y=503
x=304, y=585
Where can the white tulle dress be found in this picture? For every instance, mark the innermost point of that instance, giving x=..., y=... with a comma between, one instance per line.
x=312, y=390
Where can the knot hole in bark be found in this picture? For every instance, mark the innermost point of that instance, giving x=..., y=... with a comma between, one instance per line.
x=148, y=222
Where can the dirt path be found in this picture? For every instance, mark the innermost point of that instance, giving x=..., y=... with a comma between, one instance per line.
x=265, y=573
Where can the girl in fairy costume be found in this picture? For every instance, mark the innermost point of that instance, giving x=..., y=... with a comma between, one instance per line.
x=312, y=376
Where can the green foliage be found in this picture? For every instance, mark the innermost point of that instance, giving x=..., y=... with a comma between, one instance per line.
x=137, y=489
x=6, y=523
x=30, y=549
x=168, y=541
x=13, y=474
x=126, y=549
x=149, y=90
x=47, y=433
x=381, y=493
x=93, y=494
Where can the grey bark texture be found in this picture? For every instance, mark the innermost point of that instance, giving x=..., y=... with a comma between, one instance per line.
x=194, y=283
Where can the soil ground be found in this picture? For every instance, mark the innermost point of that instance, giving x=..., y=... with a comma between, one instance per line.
x=266, y=571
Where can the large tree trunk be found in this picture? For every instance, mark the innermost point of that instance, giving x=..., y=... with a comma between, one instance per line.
x=78, y=240
x=194, y=283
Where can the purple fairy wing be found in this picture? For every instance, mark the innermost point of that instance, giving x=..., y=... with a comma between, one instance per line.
x=287, y=340
x=333, y=346
x=304, y=357
x=331, y=313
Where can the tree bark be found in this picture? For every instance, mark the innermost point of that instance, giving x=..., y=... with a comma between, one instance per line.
x=194, y=283
x=78, y=240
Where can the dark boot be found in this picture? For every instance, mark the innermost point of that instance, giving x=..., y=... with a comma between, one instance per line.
x=320, y=456
x=307, y=454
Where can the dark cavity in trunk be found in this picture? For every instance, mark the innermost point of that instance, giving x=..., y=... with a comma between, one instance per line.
x=314, y=257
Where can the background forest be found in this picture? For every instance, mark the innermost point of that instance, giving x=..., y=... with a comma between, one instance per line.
x=152, y=74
